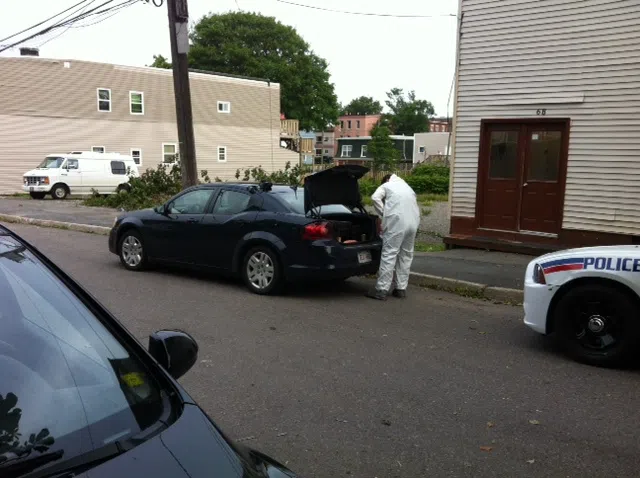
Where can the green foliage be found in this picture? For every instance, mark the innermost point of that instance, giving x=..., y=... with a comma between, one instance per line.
x=156, y=186
x=253, y=45
x=160, y=61
x=364, y=105
x=431, y=183
x=382, y=150
x=408, y=115
x=429, y=179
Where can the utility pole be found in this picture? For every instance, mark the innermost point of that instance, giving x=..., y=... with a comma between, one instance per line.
x=179, y=32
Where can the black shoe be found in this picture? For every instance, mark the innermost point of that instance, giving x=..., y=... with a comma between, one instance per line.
x=376, y=294
x=399, y=293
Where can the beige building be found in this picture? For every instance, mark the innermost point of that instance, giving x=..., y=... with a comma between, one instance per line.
x=53, y=106
x=547, y=124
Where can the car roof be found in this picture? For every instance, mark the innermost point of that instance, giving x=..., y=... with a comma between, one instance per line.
x=243, y=185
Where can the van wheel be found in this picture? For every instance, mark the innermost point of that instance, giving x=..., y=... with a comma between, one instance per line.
x=131, y=251
x=59, y=191
x=123, y=187
x=37, y=195
x=261, y=271
x=597, y=324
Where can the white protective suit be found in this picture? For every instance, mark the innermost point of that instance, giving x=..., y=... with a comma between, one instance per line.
x=396, y=202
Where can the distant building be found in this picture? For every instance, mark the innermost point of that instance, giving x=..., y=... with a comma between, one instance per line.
x=354, y=126
x=325, y=146
x=57, y=106
x=355, y=150
x=440, y=125
x=427, y=145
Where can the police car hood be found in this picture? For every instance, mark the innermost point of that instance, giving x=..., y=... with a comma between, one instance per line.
x=608, y=251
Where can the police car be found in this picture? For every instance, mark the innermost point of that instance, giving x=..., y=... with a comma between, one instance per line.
x=589, y=299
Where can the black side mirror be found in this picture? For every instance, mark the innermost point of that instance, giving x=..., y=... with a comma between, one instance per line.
x=175, y=350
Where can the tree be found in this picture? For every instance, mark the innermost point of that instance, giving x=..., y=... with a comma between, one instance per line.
x=253, y=45
x=408, y=115
x=160, y=61
x=382, y=150
x=364, y=105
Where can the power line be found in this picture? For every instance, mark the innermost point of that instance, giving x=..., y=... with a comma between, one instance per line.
x=82, y=16
x=366, y=13
x=81, y=10
x=43, y=21
x=116, y=10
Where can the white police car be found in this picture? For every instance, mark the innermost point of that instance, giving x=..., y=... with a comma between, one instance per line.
x=589, y=298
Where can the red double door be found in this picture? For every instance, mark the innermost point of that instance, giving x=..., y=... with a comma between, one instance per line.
x=521, y=179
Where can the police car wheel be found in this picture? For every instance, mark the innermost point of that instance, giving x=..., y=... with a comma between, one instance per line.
x=597, y=324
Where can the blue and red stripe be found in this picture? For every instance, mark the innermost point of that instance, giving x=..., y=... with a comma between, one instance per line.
x=563, y=265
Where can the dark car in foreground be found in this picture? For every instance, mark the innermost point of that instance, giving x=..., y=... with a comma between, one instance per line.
x=266, y=234
x=79, y=396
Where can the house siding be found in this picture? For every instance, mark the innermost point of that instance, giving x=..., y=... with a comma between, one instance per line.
x=575, y=59
x=48, y=108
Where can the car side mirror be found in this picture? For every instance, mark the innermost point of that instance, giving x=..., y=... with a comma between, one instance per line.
x=175, y=350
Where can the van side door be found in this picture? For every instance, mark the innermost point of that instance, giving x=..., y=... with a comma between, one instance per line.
x=71, y=175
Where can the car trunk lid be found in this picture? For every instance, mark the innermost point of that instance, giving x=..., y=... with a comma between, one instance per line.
x=337, y=185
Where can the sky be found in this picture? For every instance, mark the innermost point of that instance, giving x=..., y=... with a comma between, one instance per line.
x=367, y=55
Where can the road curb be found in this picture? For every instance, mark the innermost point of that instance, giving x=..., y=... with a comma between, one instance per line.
x=70, y=226
x=466, y=288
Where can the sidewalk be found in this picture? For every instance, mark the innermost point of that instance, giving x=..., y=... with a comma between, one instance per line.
x=492, y=269
x=495, y=269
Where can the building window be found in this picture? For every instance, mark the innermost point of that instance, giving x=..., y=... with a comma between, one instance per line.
x=318, y=139
x=222, y=154
x=318, y=152
x=136, y=154
x=326, y=151
x=104, y=100
x=169, y=152
x=326, y=139
x=136, y=102
x=363, y=152
x=346, y=150
x=421, y=149
x=224, y=107
x=358, y=124
x=118, y=167
x=341, y=124
x=349, y=124
x=97, y=149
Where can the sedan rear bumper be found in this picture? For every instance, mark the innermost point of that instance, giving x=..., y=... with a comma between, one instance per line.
x=328, y=260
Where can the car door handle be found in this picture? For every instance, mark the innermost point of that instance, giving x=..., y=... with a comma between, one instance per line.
x=192, y=221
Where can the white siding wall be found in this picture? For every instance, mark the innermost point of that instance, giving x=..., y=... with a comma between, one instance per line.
x=575, y=58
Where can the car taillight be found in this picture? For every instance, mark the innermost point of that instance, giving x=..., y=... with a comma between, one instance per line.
x=538, y=275
x=315, y=231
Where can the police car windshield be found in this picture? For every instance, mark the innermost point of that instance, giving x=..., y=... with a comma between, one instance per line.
x=51, y=163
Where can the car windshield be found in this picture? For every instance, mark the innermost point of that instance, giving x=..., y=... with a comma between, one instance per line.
x=51, y=163
x=67, y=385
x=294, y=197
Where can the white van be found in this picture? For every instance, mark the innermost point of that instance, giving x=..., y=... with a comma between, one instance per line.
x=80, y=173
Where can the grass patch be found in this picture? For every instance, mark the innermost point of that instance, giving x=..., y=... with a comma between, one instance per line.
x=428, y=247
x=428, y=199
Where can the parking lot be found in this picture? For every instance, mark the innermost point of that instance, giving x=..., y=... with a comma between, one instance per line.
x=333, y=384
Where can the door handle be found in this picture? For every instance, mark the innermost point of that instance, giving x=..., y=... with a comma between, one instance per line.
x=192, y=221
x=525, y=185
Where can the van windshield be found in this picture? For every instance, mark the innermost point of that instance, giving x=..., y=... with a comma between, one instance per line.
x=51, y=163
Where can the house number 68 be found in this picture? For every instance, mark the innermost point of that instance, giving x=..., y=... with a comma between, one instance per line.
x=541, y=112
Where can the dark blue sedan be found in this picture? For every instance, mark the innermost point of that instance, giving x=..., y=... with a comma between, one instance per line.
x=79, y=396
x=266, y=234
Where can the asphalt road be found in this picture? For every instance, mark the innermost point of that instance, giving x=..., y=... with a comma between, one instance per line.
x=336, y=385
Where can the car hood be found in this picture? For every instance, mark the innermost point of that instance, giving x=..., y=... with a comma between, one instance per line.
x=626, y=251
x=337, y=185
x=39, y=171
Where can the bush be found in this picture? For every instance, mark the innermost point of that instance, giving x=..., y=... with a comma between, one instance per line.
x=156, y=186
x=428, y=184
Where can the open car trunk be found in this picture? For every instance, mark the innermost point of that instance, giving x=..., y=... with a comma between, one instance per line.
x=353, y=228
x=339, y=185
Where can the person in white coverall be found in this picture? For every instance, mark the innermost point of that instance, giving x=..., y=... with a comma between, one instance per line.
x=396, y=202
